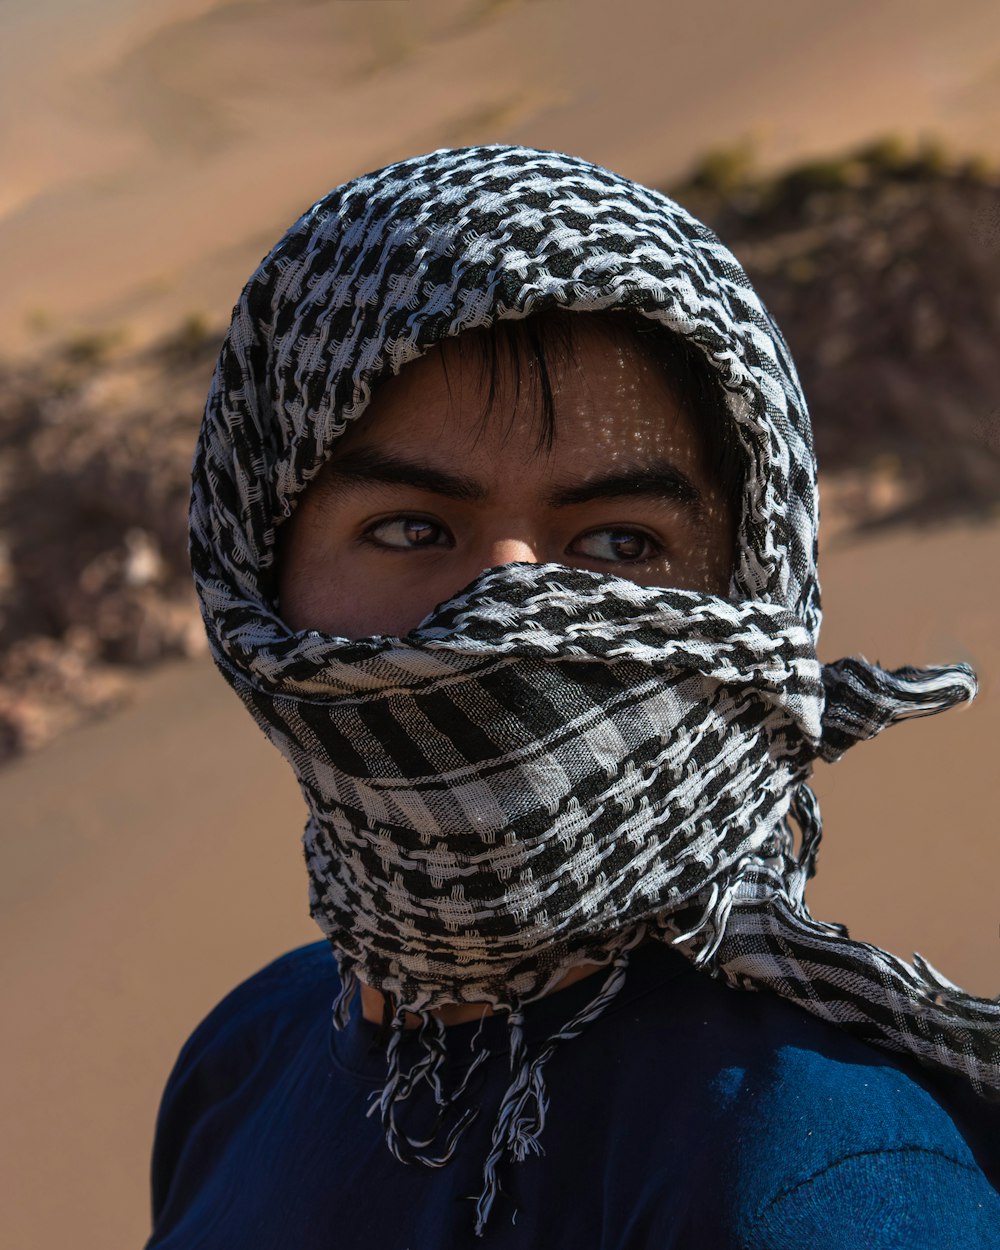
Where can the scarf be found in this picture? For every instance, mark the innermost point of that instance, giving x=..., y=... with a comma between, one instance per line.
x=555, y=764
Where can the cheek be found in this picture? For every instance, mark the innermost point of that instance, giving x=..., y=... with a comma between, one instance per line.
x=322, y=595
x=307, y=573
x=326, y=583
x=301, y=599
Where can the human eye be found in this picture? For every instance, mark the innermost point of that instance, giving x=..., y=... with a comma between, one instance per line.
x=405, y=533
x=617, y=545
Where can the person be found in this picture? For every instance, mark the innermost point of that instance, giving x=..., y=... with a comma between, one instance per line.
x=504, y=524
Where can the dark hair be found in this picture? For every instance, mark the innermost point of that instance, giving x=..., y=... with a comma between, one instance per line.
x=521, y=352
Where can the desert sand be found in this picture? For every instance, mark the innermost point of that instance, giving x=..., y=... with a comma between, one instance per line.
x=156, y=150
x=151, y=861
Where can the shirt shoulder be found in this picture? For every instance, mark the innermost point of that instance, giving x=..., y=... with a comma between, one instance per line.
x=265, y=1011
x=810, y=1126
x=282, y=995
x=915, y=1196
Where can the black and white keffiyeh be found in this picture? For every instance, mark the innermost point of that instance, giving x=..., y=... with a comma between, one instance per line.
x=556, y=764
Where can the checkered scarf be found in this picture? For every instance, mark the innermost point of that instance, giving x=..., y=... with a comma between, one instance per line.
x=556, y=764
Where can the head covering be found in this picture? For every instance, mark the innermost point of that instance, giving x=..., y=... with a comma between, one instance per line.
x=556, y=763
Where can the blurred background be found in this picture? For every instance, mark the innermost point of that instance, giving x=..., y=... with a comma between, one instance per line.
x=153, y=150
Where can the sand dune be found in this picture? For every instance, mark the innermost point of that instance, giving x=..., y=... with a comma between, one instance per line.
x=165, y=146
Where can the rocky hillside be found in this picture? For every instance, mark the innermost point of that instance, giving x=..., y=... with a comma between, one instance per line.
x=95, y=455
x=883, y=269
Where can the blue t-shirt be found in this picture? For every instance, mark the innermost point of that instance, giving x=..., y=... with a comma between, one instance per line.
x=688, y=1116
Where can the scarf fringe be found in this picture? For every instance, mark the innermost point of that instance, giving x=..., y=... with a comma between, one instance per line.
x=523, y=1107
x=525, y=1102
x=341, y=1007
x=426, y=1069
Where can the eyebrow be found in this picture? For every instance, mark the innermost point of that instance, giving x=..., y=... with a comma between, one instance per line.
x=659, y=480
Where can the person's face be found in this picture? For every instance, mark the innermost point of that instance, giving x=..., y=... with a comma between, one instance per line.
x=420, y=496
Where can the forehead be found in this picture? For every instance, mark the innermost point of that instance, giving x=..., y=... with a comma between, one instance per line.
x=565, y=381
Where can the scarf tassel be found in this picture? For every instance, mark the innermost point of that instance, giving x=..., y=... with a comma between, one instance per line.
x=426, y=1069
x=525, y=1102
x=523, y=1107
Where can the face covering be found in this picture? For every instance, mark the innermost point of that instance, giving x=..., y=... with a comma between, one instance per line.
x=556, y=764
